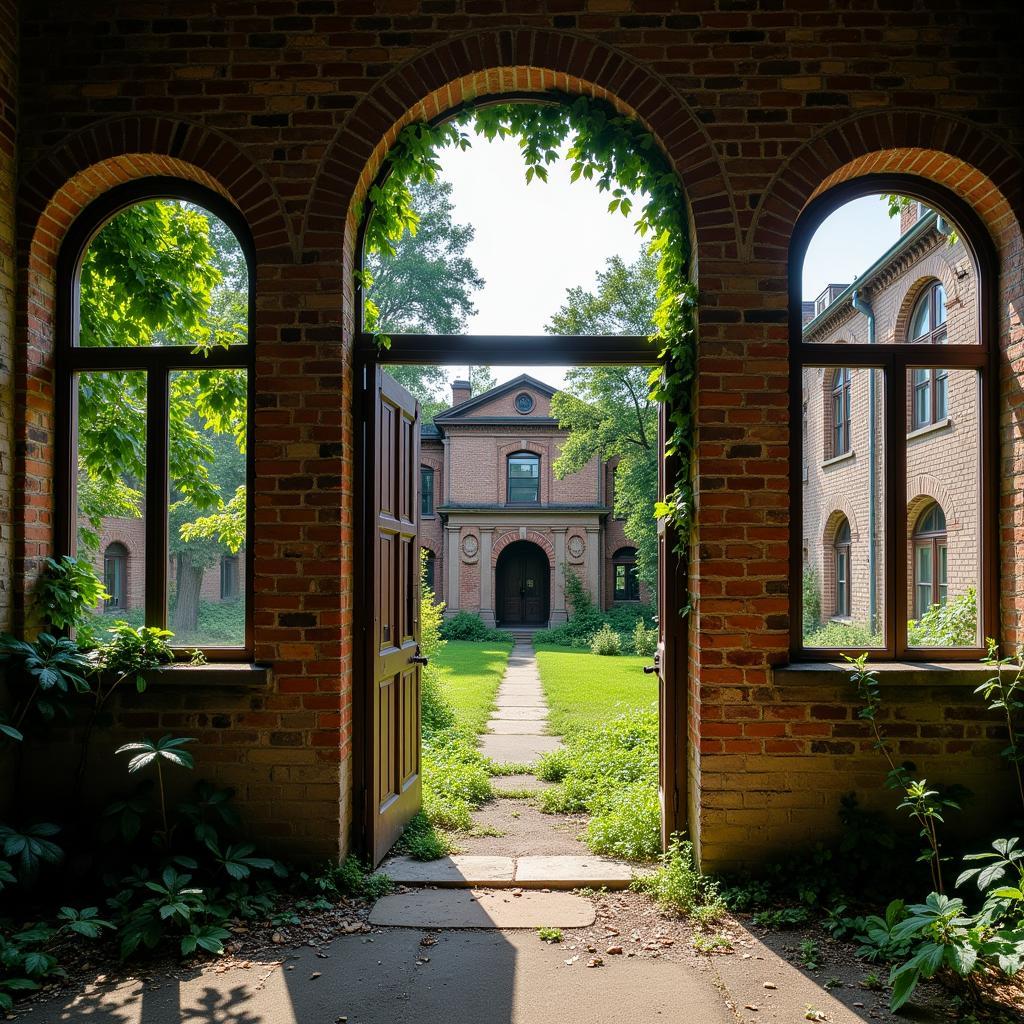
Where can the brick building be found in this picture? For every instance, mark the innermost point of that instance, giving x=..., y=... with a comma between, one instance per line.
x=500, y=529
x=770, y=115
x=924, y=288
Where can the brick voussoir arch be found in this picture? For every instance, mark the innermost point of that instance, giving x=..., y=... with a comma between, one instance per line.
x=513, y=537
x=488, y=64
x=948, y=150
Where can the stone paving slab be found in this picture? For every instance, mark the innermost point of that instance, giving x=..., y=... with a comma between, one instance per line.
x=458, y=870
x=517, y=727
x=517, y=714
x=517, y=749
x=465, y=908
x=572, y=872
x=523, y=700
x=515, y=689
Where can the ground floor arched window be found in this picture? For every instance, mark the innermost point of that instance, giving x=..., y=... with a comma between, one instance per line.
x=115, y=575
x=841, y=554
x=930, y=560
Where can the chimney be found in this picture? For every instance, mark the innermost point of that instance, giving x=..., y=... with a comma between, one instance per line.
x=909, y=216
x=461, y=391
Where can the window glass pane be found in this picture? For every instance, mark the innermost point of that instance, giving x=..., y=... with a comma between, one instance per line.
x=895, y=258
x=110, y=437
x=160, y=273
x=206, y=529
x=943, y=520
x=523, y=478
x=426, y=491
x=843, y=584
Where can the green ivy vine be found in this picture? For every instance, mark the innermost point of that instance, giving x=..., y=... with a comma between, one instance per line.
x=621, y=157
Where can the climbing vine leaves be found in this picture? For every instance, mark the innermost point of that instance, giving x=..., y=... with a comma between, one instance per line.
x=622, y=158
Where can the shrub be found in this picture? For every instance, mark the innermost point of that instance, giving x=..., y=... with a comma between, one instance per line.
x=610, y=772
x=468, y=626
x=678, y=886
x=843, y=635
x=954, y=624
x=436, y=713
x=431, y=612
x=606, y=642
x=811, y=601
x=645, y=641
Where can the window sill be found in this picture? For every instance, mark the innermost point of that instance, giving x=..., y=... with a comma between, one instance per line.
x=931, y=428
x=836, y=459
x=890, y=673
x=223, y=675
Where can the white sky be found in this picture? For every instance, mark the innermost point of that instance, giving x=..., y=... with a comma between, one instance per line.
x=534, y=242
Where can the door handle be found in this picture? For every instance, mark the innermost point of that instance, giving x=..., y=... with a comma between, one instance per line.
x=651, y=669
x=418, y=658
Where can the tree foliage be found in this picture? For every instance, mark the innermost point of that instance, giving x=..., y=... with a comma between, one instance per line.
x=608, y=410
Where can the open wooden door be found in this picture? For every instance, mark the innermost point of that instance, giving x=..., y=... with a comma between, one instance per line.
x=391, y=564
x=671, y=662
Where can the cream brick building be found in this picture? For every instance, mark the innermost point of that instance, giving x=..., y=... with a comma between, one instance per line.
x=499, y=526
x=923, y=289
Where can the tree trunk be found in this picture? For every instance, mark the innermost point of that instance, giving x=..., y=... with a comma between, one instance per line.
x=185, y=616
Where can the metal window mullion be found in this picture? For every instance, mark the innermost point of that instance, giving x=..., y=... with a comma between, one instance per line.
x=157, y=494
x=896, y=504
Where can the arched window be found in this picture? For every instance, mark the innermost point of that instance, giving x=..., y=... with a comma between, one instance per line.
x=115, y=576
x=523, y=479
x=844, y=583
x=153, y=393
x=429, y=577
x=840, y=413
x=930, y=396
x=229, y=588
x=426, y=491
x=627, y=582
x=930, y=560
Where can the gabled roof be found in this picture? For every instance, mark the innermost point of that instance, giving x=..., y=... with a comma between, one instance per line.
x=459, y=411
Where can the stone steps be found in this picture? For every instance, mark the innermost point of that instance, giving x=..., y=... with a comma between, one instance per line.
x=461, y=871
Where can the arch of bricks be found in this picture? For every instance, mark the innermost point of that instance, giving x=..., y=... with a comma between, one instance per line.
x=531, y=535
x=911, y=292
x=922, y=490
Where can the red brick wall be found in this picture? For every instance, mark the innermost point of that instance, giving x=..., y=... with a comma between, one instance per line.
x=289, y=109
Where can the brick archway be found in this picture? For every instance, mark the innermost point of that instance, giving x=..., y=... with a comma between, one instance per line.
x=55, y=192
x=531, y=535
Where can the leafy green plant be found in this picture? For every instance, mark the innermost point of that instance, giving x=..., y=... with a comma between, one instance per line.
x=877, y=937
x=549, y=934
x=810, y=592
x=423, y=841
x=1005, y=694
x=52, y=668
x=925, y=805
x=810, y=954
x=148, y=752
x=678, y=886
x=30, y=847
x=709, y=944
x=954, y=624
x=784, y=917
x=645, y=641
x=68, y=591
x=605, y=642
x=469, y=626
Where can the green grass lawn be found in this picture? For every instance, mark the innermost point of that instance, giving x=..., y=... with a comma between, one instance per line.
x=585, y=689
x=471, y=675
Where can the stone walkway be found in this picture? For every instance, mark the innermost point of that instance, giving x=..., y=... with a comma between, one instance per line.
x=517, y=732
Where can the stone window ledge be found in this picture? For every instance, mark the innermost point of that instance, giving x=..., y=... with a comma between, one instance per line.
x=835, y=460
x=930, y=428
x=892, y=673
x=213, y=675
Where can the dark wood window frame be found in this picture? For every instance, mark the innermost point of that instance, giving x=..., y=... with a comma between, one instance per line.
x=897, y=361
x=841, y=411
x=158, y=363
x=843, y=569
x=930, y=381
x=523, y=456
x=933, y=540
x=625, y=559
x=427, y=477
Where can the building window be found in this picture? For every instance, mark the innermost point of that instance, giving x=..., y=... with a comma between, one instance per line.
x=426, y=491
x=930, y=560
x=524, y=402
x=841, y=556
x=429, y=578
x=153, y=398
x=115, y=576
x=228, y=577
x=840, y=413
x=523, y=479
x=627, y=582
x=930, y=396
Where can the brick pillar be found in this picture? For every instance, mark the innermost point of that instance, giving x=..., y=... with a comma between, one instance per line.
x=486, y=577
x=594, y=566
x=453, y=570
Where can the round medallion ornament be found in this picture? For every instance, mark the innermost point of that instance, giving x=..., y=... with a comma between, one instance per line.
x=524, y=402
x=576, y=546
x=470, y=546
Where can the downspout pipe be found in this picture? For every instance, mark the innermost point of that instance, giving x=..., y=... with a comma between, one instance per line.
x=862, y=306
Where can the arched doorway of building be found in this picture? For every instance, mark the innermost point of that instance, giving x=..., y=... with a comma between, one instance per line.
x=522, y=584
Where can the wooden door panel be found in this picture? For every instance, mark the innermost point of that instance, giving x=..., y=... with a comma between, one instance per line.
x=393, y=444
